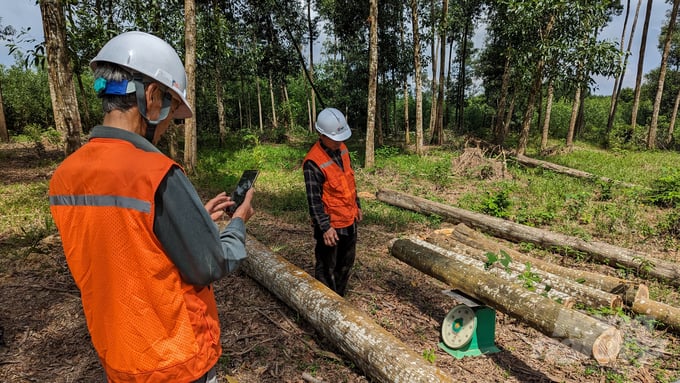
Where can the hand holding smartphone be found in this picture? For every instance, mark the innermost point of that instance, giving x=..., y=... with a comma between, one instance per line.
x=244, y=184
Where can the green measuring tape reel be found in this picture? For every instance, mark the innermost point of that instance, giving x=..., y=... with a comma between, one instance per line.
x=469, y=328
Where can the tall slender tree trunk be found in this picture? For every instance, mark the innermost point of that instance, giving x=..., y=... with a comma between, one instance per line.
x=499, y=131
x=548, y=111
x=438, y=131
x=418, y=77
x=640, y=68
x=62, y=91
x=574, y=112
x=671, y=123
x=275, y=122
x=221, y=114
x=407, y=134
x=372, y=85
x=460, y=105
x=651, y=137
x=433, y=104
x=615, y=101
x=259, y=106
x=619, y=77
x=4, y=132
x=190, y=140
x=311, y=62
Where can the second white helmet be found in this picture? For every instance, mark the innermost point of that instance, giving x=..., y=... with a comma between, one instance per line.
x=332, y=124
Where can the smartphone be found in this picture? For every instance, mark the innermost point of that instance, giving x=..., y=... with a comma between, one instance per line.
x=239, y=194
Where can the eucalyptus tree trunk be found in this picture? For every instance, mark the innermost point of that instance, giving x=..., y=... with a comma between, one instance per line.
x=311, y=64
x=4, y=133
x=617, y=90
x=438, y=130
x=219, y=99
x=433, y=104
x=674, y=115
x=407, y=137
x=575, y=107
x=190, y=66
x=275, y=122
x=372, y=85
x=259, y=105
x=640, y=68
x=533, y=92
x=62, y=90
x=651, y=137
x=548, y=112
x=499, y=128
x=418, y=78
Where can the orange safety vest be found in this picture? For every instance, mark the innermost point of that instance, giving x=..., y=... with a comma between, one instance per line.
x=146, y=323
x=339, y=191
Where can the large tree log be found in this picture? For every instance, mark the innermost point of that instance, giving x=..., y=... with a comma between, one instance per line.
x=528, y=161
x=581, y=332
x=377, y=352
x=608, y=254
x=636, y=297
x=666, y=314
x=614, y=285
x=583, y=294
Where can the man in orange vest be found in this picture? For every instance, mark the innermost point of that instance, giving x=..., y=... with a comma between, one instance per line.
x=140, y=244
x=333, y=203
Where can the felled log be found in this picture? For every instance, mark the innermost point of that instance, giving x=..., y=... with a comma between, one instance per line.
x=578, y=293
x=621, y=287
x=511, y=275
x=377, y=352
x=666, y=314
x=528, y=161
x=608, y=254
x=575, y=329
x=635, y=297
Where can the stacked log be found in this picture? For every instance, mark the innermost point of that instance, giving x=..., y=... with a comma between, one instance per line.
x=577, y=292
x=581, y=332
x=644, y=265
x=635, y=297
x=378, y=353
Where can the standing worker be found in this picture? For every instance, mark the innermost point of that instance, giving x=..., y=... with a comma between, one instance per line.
x=141, y=246
x=333, y=203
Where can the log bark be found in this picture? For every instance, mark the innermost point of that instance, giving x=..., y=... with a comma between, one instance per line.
x=471, y=258
x=473, y=238
x=575, y=329
x=378, y=353
x=666, y=314
x=644, y=265
x=578, y=293
x=528, y=161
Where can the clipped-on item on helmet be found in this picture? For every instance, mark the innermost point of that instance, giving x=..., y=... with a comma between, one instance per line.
x=118, y=88
x=152, y=57
x=332, y=124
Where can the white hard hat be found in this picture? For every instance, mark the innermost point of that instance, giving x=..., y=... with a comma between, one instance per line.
x=332, y=124
x=151, y=56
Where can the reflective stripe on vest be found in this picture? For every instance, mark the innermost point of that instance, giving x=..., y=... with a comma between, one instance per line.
x=101, y=200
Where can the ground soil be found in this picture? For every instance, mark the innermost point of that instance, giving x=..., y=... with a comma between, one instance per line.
x=43, y=336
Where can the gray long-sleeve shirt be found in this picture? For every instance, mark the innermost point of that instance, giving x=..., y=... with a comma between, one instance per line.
x=190, y=238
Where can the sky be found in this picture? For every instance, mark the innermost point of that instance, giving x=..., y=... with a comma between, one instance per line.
x=22, y=14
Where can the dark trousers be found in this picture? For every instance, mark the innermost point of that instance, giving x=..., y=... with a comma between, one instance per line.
x=334, y=263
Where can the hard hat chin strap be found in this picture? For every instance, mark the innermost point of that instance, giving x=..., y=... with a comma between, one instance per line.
x=141, y=105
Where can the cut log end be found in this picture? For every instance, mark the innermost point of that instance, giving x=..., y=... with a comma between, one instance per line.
x=607, y=346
